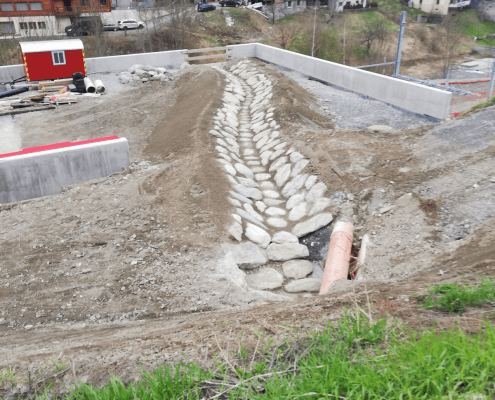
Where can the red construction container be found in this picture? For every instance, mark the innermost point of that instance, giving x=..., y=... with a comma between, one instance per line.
x=52, y=59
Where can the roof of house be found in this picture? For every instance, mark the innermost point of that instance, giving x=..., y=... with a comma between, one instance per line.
x=51, y=45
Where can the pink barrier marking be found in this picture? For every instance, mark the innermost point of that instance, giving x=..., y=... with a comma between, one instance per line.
x=55, y=146
x=456, y=114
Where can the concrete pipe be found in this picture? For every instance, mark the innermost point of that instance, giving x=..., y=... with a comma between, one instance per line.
x=339, y=254
x=90, y=88
x=99, y=87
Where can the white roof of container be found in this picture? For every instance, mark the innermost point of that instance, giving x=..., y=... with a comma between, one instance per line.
x=51, y=45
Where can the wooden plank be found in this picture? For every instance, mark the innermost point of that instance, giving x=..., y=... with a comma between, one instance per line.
x=205, y=49
x=25, y=110
x=56, y=82
x=207, y=57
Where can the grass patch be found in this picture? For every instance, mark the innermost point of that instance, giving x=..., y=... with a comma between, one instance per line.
x=241, y=17
x=214, y=19
x=359, y=51
x=354, y=359
x=471, y=25
x=285, y=20
x=455, y=297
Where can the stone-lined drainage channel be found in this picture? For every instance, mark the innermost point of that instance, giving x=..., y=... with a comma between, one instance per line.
x=276, y=201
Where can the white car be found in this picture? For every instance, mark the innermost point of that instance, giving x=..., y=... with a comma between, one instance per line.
x=130, y=24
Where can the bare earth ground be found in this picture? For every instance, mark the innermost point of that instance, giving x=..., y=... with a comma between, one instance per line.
x=117, y=274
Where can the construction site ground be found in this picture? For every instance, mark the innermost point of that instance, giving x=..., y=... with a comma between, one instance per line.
x=118, y=274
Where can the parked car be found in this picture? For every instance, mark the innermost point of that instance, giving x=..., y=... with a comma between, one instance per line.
x=110, y=26
x=130, y=24
x=205, y=7
x=231, y=3
x=84, y=26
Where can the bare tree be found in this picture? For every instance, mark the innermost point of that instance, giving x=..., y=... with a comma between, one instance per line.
x=372, y=29
x=450, y=43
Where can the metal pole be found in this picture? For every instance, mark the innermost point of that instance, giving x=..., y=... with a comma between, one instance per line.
x=447, y=80
x=399, y=43
x=490, y=90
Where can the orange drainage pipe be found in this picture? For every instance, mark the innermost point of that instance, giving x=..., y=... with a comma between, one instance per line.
x=339, y=254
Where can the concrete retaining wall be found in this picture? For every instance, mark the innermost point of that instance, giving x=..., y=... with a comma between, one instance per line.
x=406, y=95
x=409, y=96
x=167, y=59
x=40, y=174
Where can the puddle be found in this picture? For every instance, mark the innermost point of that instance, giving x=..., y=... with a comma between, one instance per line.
x=10, y=138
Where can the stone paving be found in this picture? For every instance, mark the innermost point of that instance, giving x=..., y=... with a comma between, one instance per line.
x=276, y=201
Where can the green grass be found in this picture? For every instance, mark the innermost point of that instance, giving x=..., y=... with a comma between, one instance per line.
x=455, y=297
x=214, y=18
x=241, y=17
x=353, y=359
x=285, y=20
x=471, y=25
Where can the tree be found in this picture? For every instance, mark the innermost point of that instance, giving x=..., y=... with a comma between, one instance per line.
x=372, y=29
x=450, y=42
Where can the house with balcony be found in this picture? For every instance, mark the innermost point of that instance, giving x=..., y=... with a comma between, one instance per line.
x=41, y=18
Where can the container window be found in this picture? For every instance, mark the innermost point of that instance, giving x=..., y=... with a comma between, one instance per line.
x=21, y=6
x=6, y=7
x=58, y=57
x=36, y=6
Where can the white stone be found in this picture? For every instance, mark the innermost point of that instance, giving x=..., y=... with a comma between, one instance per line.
x=284, y=237
x=266, y=278
x=249, y=208
x=221, y=149
x=257, y=235
x=244, y=170
x=225, y=157
x=311, y=225
x=294, y=185
x=277, y=222
x=310, y=182
x=280, y=146
x=282, y=174
x=235, y=202
x=271, y=194
x=298, y=211
x=267, y=185
x=228, y=267
x=294, y=200
x=297, y=269
x=273, y=202
x=248, y=152
x=276, y=154
x=248, y=255
x=235, y=231
x=262, y=177
x=251, y=193
x=260, y=206
x=316, y=192
x=295, y=156
x=236, y=217
x=275, y=212
x=253, y=163
x=265, y=157
x=232, y=180
x=244, y=214
x=277, y=164
x=248, y=182
x=304, y=285
x=286, y=251
x=240, y=197
x=261, y=142
x=300, y=165
x=319, y=205
x=230, y=169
